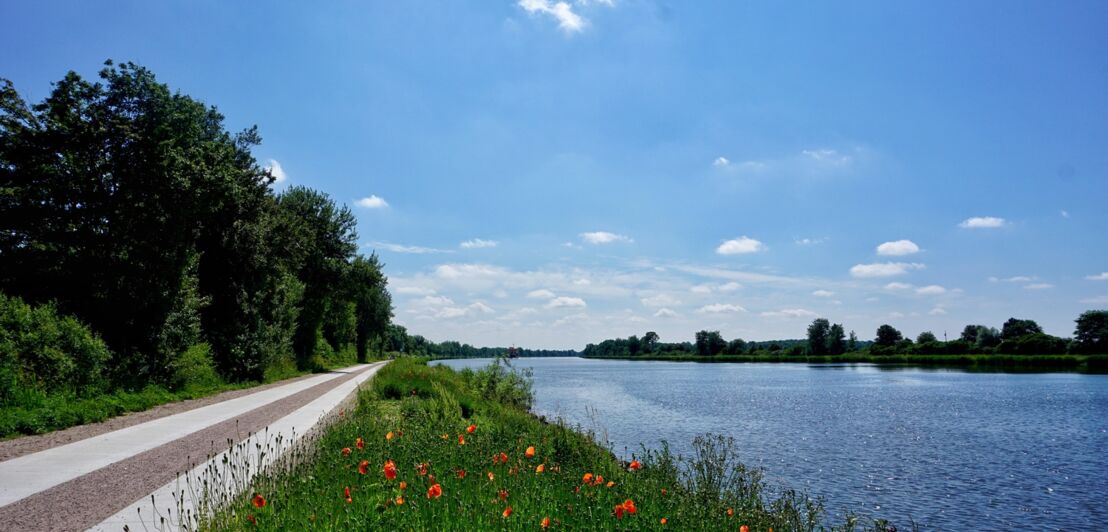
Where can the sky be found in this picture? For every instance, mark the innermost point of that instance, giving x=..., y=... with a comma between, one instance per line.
x=548, y=174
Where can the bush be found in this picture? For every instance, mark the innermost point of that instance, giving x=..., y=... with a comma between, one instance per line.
x=1033, y=344
x=44, y=351
x=195, y=370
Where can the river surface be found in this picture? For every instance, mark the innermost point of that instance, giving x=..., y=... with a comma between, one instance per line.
x=948, y=449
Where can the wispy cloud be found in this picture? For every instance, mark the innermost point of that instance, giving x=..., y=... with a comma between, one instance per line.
x=604, y=237
x=1102, y=276
x=883, y=269
x=741, y=245
x=809, y=241
x=541, y=294
x=898, y=248
x=568, y=20
x=1013, y=279
x=720, y=308
x=1096, y=300
x=823, y=293
x=721, y=162
x=1038, y=286
x=478, y=243
x=665, y=313
x=930, y=290
x=564, y=301
x=401, y=248
x=276, y=171
x=372, y=202
x=790, y=313
x=983, y=222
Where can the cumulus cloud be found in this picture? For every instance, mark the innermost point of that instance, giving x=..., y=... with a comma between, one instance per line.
x=823, y=293
x=568, y=20
x=720, y=308
x=884, y=269
x=740, y=245
x=828, y=156
x=898, y=248
x=372, y=202
x=937, y=311
x=660, y=300
x=983, y=222
x=565, y=302
x=541, y=294
x=898, y=286
x=930, y=290
x=478, y=243
x=1038, y=286
x=701, y=289
x=729, y=287
x=413, y=290
x=604, y=237
x=665, y=313
x=276, y=171
x=721, y=162
x=790, y=313
x=401, y=248
x=1102, y=276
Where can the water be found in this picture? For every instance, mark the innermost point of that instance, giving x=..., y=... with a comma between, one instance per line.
x=948, y=449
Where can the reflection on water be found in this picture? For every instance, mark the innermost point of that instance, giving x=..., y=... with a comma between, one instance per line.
x=946, y=448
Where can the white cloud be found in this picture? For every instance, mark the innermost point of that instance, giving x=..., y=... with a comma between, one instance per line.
x=884, y=269
x=701, y=289
x=413, y=290
x=739, y=245
x=1102, y=276
x=790, y=313
x=665, y=313
x=937, y=311
x=983, y=222
x=895, y=314
x=660, y=300
x=720, y=308
x=481, y=307
x=568, y=21
x=401, y=248
x=729, y=287
x=828, y=156
x=930, y=290
x=823, y=293
x=541, y=294
x=604, y=237
x=1096, y=300
x=810, y=241
x=275, y=169
x=1015, y=279
x=563, y=302
x=434, y=301
x=898, y=248
x=478, y=243
x=372, y=202
x=721, y=162
x=1038, y=286
x=898, y=286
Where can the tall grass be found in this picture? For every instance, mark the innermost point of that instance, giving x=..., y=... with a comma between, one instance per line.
x=452, y=432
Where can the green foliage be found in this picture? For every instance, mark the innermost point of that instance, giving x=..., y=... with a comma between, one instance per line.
x=1091, y=335
x=194, y=370
x=709, y=343
x=887, y=336
x=1033, y=344
x=502, y=383
x=1015, y=328
x=926, y=337
x=818, y=332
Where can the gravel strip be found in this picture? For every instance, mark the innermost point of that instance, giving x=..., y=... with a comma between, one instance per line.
x=87, y=500
x=32, y=444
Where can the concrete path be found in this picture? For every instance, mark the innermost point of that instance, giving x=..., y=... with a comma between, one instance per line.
x=102, y=481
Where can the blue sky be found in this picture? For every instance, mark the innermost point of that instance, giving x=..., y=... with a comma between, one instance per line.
x=549, y=174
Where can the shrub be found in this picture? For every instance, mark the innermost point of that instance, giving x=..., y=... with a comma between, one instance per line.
x=195, y=370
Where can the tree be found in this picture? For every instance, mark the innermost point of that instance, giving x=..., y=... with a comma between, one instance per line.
x=836, y=340
x=649, y=341
x=372, y=302
x=887, y=336
x=1014, y=328
x=709, y=343
x=926, y=337
x=1091, y=335
x=817, y=337
x=987, y=337
x=969, y=334
x=735, y=347
x=852, y=342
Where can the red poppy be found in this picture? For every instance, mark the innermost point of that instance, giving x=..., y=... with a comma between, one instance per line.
x=587, y=479
x=618, y=510
x=471, y=429
x=363, y=467
x=503, y=494
x=253, y=520
x=461, y=440
x=664, y=520
x=422, y=468
x=346, y=451
x=389, y=469
x=545, y=523
x=403, y=485
x=400, y=499
x=434, y=492
x=259, y=501
x=635, y=465
x=492, y=477
x=664, y=492
x=730, y=512
x=744, y=528
x=346, y=493
x=461, y=473
x=540, y=468
x=507, y=512
x=503, y=457
x=359, y=443
x=629, y=505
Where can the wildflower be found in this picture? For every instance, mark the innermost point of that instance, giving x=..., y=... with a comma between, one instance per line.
x=363, y=467
x=635, y=465
x=389, y=436
x=744, y=528
x=461, y=473
x=461, y=440
x=434, y=492
x=389, y=469
x=445, y=436
x=400, y=499
x=346, y=451
x=730, y=512
x=259, y=501
x=503, y=494
x=587, y=479
x=629, y=505
x=503, y=457
x=403, y=485
x=611, y=483
x=664, y=492
x=253, y=520
x=618, y=510
x=507, y=512
x=422, y=469
x=545, y=523
x=346, y=492
x=471, y=429
x=359, y=443
x=598, y=480
x=664, y=520
x=540, y=468
x=530, y=453
x=491, y=476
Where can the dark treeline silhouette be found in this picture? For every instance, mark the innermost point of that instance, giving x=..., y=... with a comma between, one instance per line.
x=398, y=340
x=1016, y=337
x=132, y=209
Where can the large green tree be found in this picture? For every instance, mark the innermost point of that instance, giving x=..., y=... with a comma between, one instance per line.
x=818, y=332
x=372, y=302
x=836, y=340
x=1015, y=327
x=887, y=336
x=1091, y=335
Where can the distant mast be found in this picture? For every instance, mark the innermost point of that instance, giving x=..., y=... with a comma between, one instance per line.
x=513, y=352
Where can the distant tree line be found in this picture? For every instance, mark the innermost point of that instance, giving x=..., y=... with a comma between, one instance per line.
x=1016, y=337
x=131, y=208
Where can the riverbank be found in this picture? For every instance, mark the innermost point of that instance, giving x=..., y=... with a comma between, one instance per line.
x=431, y=448
x=1080, y=363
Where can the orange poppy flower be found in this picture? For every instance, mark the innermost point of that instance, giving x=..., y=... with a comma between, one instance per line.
x=461, y=440
x=422, y=468
x=664, y=520
x=253, y=520
x=259, y=501
x=530, y=453
x=587, y=479
x=400, y=499
x=359, y=443
x=540, y=468
x=461, y=473
x=629, y=505
x=503, y=494
x=434, y=492
x=545, y=523
x=346, y=451
x=445, y=436
x=635, y=465
x=598, y=480
x=507, y=512
x=618, y=510
x=744, y=528
x=730, y=512
x=363, y=467
x=389, y=469
x=611, y=483
x=389, y=436
x=491, y=476
x=471, y=429
x=403, y=485
x=503, y=457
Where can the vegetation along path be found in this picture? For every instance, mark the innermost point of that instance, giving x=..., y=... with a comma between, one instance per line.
x=116, y=479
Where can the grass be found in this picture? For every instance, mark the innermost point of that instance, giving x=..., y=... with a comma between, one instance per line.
x=415, y=418
x=1085, y=363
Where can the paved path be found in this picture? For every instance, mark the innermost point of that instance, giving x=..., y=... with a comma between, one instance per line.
x=103, y=481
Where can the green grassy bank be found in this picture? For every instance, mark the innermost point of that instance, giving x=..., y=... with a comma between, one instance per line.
x=446, y=450
x=1083, y=363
